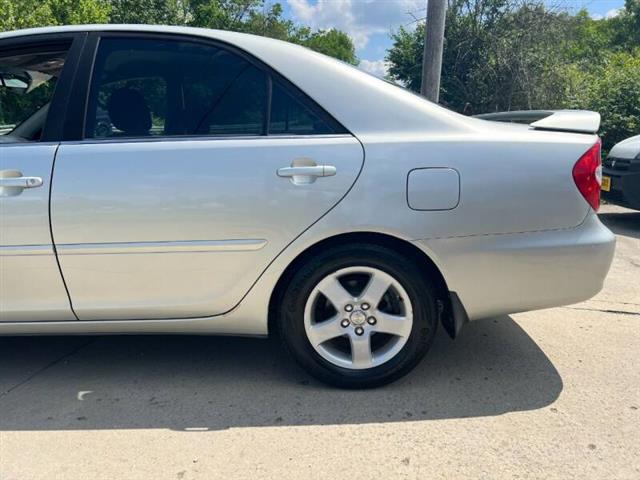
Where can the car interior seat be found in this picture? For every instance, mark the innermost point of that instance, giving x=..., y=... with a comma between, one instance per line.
x=129, y=112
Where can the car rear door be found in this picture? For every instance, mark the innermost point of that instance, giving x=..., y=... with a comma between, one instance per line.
x=197, y=167
x=35, y=76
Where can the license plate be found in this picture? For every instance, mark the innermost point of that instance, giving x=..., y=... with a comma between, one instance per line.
x=606, y=184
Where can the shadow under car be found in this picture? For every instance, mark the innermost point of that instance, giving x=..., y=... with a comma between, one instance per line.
x=211, y=383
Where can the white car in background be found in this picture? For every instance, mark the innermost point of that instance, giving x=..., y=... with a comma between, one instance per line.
x=621, y=174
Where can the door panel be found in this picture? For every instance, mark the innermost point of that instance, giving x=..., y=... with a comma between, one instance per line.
x=182, y=228
x=31, y=287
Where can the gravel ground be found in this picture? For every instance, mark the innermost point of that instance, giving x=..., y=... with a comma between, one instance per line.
x=548, y=394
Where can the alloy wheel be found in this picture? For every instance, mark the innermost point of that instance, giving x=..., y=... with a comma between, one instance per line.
x=358, y=317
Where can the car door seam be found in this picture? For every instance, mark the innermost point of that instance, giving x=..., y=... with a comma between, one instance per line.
x=53, y=241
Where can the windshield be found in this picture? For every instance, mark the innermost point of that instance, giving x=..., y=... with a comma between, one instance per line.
x=27, y=83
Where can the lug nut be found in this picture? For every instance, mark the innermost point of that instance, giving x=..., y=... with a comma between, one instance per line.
x=345, y=323
x=371, y=320
x=359, y=330
x=348, y=308
x=365, y=306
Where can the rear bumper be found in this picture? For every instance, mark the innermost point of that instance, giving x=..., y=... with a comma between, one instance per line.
x=625, y=188
x=501, y=274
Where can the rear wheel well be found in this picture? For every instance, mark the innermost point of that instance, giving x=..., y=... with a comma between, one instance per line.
x=401, y=246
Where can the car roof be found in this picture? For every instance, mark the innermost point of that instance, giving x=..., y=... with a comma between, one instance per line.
x=204, y=32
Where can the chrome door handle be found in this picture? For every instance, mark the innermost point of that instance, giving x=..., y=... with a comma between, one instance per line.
x=308, y=171
x=20, y=182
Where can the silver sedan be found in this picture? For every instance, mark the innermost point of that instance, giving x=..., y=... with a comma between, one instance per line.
x=176, y=180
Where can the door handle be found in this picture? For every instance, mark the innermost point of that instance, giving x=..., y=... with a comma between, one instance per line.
x=308, y=171
x=20, y=182
x=12, y=183
x=306, y=174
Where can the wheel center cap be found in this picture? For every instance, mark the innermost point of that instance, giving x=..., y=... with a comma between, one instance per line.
x=357, y=317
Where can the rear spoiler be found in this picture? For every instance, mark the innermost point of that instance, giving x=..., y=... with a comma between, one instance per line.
x=579, y=121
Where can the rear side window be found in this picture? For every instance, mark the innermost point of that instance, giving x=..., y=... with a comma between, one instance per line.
x=231, y=104
x=156, y=87
x=120, y=104
x=294, y=116
x=145, y=87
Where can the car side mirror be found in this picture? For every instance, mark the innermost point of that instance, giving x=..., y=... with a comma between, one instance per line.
x=18, y=83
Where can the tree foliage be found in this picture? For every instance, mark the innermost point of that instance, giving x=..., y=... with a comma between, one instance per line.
x=15, y=14
x=332, y=42
x=614, y=91
x=166, y=12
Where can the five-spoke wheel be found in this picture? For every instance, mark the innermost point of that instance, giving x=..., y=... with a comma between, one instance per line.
x=365, y=306
x=358, y=315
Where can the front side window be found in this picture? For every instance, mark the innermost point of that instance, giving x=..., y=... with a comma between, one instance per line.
x=27, y=84
x=156, y=87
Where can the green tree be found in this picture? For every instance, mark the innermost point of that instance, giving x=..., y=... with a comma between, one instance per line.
x=30, y=13
x=626, y=25
x=334, y=43
x=165, y=12
x=247, y=16
x=74, y=12
x=405, y=57
x=16, y=14
x=236, y=15
x=614, y=91
x=494, y=55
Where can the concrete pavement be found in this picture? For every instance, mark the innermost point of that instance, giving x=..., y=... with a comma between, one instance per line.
x=548, y=394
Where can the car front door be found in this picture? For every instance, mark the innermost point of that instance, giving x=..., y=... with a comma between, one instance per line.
x=34, y=75
x=197, y=168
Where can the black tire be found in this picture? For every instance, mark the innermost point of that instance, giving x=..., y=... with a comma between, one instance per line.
x=421, y=292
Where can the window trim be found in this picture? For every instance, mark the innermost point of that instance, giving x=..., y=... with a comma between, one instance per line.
x=52, y=131
x=201, y=138
x=75, y=130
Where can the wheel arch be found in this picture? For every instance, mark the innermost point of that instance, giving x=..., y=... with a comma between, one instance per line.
x=448, y=301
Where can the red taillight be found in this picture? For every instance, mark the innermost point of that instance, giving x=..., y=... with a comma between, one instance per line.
x=587, y=173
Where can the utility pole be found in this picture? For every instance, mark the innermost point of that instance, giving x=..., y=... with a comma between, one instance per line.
x=432, y=54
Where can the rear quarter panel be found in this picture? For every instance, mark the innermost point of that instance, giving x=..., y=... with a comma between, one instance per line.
x=509, y=183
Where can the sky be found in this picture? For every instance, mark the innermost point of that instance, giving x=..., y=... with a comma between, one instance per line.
x=370, y=22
